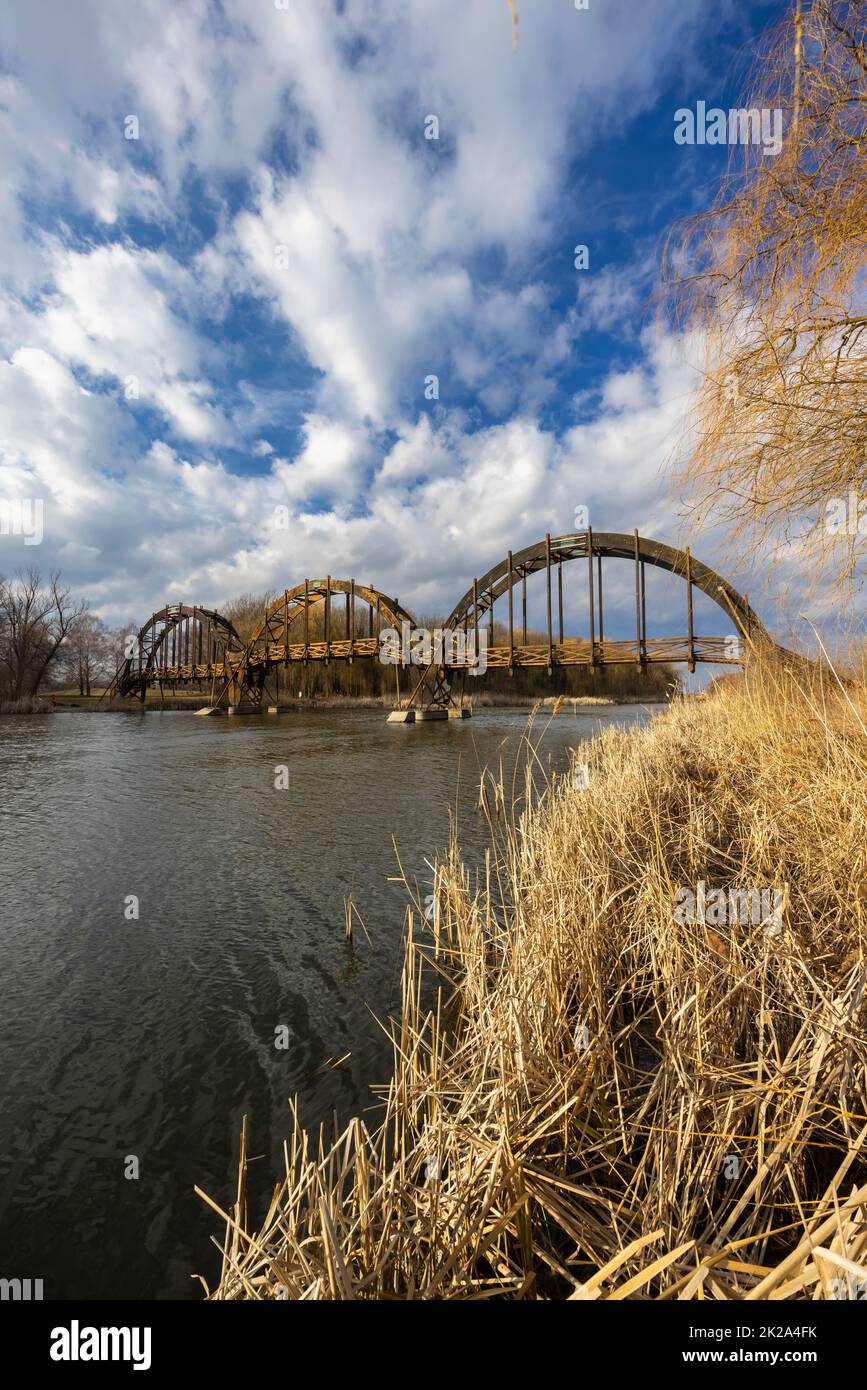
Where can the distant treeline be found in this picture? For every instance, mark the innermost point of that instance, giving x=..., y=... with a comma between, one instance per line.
x=371, y=679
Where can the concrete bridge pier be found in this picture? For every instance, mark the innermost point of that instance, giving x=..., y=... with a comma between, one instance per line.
x=427, y=713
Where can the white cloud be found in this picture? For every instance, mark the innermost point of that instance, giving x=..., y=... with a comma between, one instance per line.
x=403, y=258
x=111, y=312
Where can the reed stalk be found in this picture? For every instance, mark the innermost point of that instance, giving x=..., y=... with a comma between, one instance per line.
x=589, y=1098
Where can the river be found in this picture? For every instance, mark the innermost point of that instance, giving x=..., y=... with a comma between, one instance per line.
x=148, y=1037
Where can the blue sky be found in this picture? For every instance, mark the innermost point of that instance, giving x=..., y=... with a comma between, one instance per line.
x=238, y=310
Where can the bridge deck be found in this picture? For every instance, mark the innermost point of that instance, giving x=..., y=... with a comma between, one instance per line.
x=573, y=652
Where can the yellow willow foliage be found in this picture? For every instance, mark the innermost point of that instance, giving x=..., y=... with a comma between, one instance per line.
x=771, y=280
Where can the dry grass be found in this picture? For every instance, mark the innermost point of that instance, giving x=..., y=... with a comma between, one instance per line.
x=521, y=1156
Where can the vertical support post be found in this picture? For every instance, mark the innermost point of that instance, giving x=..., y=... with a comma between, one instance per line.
x=749, y=626
x=638, y=648
x=476, y=619
x=524, y=598
x=560, y=596
x=306, y=620
x=591, y=596
x=511, y=621
x=328, y=618
x=491, y=617
x=643, y=614
x=548, y=586
x=691, y=639
x=599, y=586
x=351, y=619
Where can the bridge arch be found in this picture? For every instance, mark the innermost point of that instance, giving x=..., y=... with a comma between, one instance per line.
x=597, y=545
x=177, y=643
x=476, y=607
x=283, y=634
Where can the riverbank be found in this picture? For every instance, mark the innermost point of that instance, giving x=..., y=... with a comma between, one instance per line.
x=93, y=704
x=611, y=1078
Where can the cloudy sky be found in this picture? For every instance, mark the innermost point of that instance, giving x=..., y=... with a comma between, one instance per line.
x=233, y=262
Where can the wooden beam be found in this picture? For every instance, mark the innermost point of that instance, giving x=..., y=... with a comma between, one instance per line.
x=637, y=599
x=599, y=578
x=511, y=621
x=548, y=584
x=560, y=595
x=691, y=639
x=643, y=615
x=590, y=595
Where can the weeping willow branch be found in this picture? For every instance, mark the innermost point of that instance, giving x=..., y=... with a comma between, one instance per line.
x=771, y=280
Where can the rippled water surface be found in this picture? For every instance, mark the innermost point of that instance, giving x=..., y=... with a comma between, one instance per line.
x=153, y=1037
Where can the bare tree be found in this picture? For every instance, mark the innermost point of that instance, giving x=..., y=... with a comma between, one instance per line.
x=121, y=641
x=772, y=280
x=35, y=620
x=246, y=612
x=88, y=652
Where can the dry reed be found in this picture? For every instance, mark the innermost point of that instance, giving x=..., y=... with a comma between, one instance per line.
x=591, y=1100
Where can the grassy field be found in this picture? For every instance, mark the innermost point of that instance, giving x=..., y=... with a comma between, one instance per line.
x=70, y=699
x=598, y=1093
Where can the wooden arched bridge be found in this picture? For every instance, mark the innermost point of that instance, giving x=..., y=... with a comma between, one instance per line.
x=183, y=645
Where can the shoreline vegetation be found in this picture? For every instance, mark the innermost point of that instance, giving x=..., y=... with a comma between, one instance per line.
x=592, y=1098
x=193, y=700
